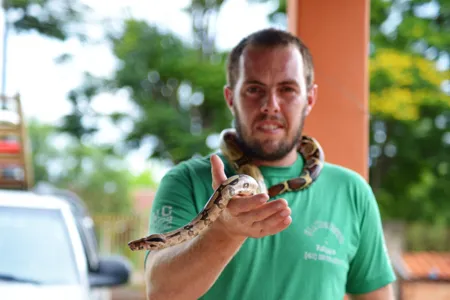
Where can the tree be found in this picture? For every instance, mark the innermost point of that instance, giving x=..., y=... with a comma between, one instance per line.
x=179, y=106
x=419, y=25
x=49, y=18
x=410, y=145
x=42, y=149
x=410, y=109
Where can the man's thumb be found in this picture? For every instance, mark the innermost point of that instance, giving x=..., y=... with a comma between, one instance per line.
x=217, y=171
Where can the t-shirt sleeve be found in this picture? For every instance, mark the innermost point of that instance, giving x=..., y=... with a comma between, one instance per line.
x=370, y=268
x=173, y=204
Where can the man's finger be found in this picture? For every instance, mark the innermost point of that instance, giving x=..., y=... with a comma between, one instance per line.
x=244, y=204
x=217, y=171
x=265, y=211
x=275, y=227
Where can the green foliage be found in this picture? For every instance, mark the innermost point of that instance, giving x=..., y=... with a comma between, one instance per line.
x=410, y=113
x=405, y=25
x=47, y=17
x=401, y=82
x=179, y=92
x=99, y=178
x=427, y=237
x=81, y=100
x=279, y=14
x=410, y=166
x=143, y=180
x=42, y=148
x=433, y=29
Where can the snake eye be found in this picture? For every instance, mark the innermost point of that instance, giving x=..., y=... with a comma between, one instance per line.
x=156, y=239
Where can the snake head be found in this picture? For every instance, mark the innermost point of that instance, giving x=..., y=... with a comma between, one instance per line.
x=152, y=242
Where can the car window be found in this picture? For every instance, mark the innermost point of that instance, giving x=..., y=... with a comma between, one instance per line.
x=35, y=245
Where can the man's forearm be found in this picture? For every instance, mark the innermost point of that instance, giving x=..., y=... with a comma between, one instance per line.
x=188, y=270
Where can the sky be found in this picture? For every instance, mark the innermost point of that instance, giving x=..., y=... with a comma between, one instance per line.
x=43, y=85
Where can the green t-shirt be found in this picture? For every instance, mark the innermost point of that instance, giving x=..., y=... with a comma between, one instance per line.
x=334, y=245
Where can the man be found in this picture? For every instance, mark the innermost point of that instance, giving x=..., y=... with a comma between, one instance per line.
x=319, y=243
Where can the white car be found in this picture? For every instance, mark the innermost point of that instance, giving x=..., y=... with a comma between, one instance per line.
x=48, y=252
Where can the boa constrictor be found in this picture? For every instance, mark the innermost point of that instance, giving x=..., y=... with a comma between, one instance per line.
x=248, y=181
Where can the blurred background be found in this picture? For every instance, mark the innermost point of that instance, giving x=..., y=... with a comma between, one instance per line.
x=114, y=93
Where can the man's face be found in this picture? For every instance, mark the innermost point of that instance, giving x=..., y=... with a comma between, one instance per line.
x=270, y=101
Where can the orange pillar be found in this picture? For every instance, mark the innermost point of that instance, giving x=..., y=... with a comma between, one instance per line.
x=337, y=33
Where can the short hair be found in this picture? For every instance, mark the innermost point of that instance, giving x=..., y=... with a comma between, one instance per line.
x=270, y=37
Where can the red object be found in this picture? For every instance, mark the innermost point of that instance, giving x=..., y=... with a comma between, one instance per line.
x=8, y=147
x=425, y=264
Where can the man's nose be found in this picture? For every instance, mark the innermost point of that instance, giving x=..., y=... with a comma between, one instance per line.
x=271, y=103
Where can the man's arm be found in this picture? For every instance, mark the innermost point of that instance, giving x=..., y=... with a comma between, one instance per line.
x=187, y=271
x=370, y=274
x=384, y=293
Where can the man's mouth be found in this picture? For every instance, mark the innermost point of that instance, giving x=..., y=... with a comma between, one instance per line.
x=269, y=127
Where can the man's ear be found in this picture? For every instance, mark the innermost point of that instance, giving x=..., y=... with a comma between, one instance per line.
x=312, y=98
x=228, y=94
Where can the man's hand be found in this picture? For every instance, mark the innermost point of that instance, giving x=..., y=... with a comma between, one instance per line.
x=249, y=216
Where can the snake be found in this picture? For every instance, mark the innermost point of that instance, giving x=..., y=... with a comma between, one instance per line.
x=248, y=181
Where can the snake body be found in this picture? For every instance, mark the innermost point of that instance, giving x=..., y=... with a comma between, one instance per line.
x=248, y=181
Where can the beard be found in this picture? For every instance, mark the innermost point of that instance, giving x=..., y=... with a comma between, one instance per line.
x=267, y=150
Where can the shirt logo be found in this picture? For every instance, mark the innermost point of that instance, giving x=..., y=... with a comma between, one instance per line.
x=326, y=244
x=161, y=219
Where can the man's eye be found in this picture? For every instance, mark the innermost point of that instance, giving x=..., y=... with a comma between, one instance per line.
x=253, y=90
x=287, y=89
